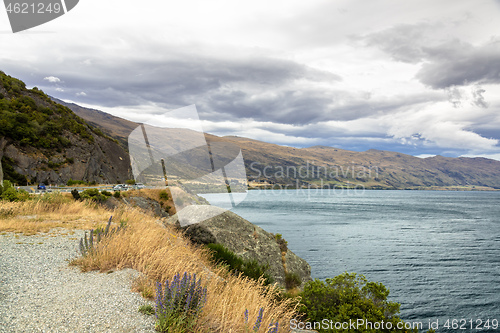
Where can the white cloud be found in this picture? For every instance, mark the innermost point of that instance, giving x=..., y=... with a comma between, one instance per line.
x=291, y=72
x=490, y=156
x=52, y=79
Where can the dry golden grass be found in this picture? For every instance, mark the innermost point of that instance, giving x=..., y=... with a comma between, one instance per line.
x=158, y=252
x=48, y=212
x=161, y=252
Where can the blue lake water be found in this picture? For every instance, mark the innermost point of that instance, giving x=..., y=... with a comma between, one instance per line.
x=437, y=251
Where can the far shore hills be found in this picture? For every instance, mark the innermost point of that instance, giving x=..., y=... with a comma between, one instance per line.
x=271, y=166
x=46, y=140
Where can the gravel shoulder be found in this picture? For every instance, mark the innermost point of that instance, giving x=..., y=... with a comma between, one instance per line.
x=39, y=292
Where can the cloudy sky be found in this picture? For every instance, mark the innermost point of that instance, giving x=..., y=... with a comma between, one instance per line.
x=419, y=77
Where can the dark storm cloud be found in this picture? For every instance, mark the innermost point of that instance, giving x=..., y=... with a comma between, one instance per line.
x=445, y=63
x=305, y=107
x=242, y=87
x=478, y=98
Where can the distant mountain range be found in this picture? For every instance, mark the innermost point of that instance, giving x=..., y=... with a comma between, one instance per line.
x=274, y=166
x=44, y=139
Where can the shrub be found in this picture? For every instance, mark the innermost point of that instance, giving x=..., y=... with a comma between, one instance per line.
x=72, y=182
x=349, y=297
x=130, y=181
x=283, y=244
x=179, y=303
x=93, y=194
x=75, y=194
x=249, y=268
x=292, y=280
x=9, y=193
x=106, y=193
x=164, y=195
x=117, y=194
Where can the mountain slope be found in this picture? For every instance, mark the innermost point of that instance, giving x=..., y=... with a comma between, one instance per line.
x=330, y=167
x=115, y=127
x=268, y=164
x=42, y=141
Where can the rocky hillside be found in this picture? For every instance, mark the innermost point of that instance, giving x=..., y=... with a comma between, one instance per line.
x=115, y=127
x=332, y=167
x=42, y=141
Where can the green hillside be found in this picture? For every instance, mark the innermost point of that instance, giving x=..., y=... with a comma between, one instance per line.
x=34, y=127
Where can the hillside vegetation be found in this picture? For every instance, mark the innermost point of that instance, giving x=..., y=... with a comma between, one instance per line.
x=32, y=118
x=42, y=141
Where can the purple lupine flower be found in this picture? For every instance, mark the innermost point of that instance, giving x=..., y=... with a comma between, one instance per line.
x=246, y=316
x=273, y=328
x=159, y=298
x=202, y=300
x=188, y=303
x=259, y=320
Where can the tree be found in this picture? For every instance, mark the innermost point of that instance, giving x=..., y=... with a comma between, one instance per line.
x=350, y=297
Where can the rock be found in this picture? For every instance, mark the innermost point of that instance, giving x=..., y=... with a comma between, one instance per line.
x=148, y=205
x=103, y=161
x=3, y=142
x=240, y=236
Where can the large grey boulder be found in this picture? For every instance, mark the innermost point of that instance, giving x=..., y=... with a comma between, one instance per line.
x=209, y=224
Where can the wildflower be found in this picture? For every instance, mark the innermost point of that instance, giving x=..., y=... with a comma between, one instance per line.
x=259, y=320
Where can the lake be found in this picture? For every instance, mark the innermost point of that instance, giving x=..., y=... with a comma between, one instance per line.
x=437, y=251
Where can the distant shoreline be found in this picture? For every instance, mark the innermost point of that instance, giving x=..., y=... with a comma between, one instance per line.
x=433, y=188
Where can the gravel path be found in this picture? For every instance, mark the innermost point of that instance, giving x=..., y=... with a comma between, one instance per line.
x=39, y=292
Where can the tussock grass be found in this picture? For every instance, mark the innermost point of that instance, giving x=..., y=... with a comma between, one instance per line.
x=50, y=211
x=161, y=252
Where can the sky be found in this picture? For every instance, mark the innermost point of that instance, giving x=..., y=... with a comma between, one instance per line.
x=417, y=77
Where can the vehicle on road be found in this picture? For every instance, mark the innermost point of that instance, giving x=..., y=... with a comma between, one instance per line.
x=41, y=187
x=120, y=187
x=138, y=186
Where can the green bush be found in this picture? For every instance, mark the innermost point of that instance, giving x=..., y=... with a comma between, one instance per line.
x=130, y=181
x=164, y=195
x=283, y=244
x=75, y=194
x=249, y=268
x=106, y=193
x=349, y=297
x=93, y=194
x=72, y=182
x=117, y=194
x=9, y=193
x=292, y=280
